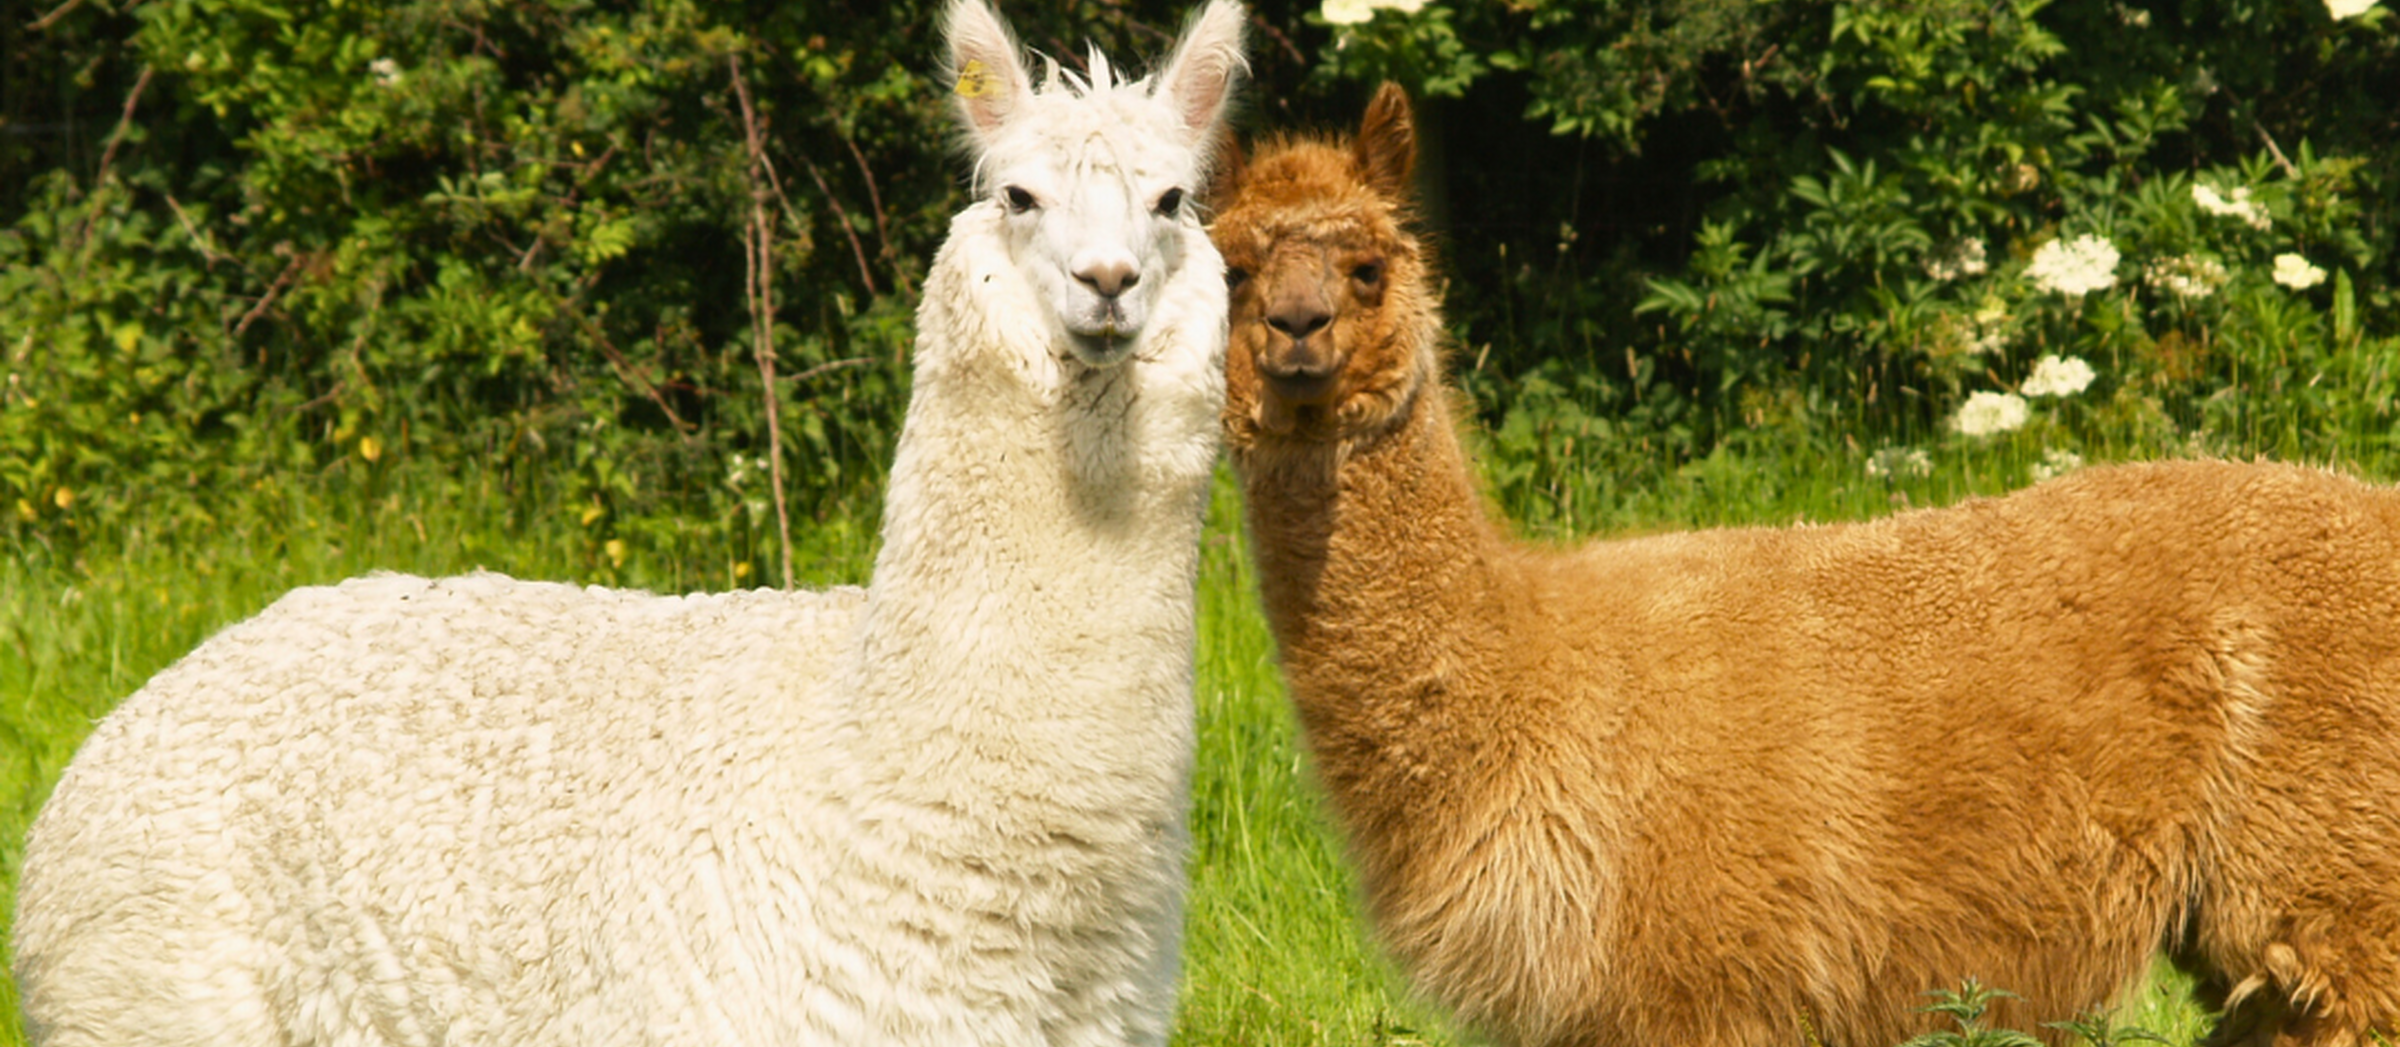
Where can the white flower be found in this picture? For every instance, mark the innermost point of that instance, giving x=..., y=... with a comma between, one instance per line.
x=1354, y=12
x=2057, y=376
x=2294, y=272
x=2074, y=267
x=2056, y=463
x=387, y=72
x=2239, y=205
x=1961, y=258
x=2187, y=276
x=2341, y=9
x=1899, y=461
x=1348, y=12
x=1986, y=413
x=1991, y=327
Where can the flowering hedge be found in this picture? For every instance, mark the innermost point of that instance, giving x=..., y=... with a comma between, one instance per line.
x=512, y=242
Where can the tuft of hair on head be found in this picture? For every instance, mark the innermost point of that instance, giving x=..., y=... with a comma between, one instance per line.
x=1228, y=164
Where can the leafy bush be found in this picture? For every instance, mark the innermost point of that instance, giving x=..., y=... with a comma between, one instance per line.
x=503, y=236
x=257, y=242
x=1827, y=217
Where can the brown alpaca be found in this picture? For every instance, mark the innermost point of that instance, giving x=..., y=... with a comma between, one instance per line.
x=1764, y=786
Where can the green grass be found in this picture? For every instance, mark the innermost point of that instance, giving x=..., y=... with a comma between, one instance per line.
x=1276, y=952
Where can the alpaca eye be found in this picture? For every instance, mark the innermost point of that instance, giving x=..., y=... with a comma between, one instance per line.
x=1019, y=201
x=1368, y=273
x=1235, y=277
x=1170, y=202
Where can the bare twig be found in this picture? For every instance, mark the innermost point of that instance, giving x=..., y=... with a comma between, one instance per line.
x=1752, y=66
x=758, y=252
x=1289, y=48
x=282, y=280
x=91, y=217
x=124, y=123
x=883, y=229
x=629, y=374
x=55, y=14
x=330, y=396
x=828, y=367
x=2289, y=169
x=842, y=217
x=208, y=248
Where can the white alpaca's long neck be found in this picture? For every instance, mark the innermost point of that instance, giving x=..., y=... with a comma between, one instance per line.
x=1029, y=631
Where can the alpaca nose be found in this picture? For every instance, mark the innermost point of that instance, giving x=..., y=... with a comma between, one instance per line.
x=1298, y=320
x=1109, y=277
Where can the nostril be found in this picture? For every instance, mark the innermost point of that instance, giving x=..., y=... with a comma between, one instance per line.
x=1110, y=279
x=1299, y=323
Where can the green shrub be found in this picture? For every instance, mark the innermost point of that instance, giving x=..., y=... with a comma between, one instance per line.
x=1825, y=216
x=509, y=237
x=253, y=239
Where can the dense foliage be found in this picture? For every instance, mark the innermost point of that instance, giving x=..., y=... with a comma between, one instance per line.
x=527, y=245
x=1821, y=229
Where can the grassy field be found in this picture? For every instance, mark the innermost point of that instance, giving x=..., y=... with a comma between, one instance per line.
x=1276, y=953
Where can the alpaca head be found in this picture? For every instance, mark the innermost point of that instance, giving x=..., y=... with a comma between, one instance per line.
x=1333, y=326
x=1093, y=178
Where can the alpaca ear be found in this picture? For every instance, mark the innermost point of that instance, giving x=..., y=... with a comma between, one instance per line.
x=1386, y=149
x=1205, y=68
x=987, y=78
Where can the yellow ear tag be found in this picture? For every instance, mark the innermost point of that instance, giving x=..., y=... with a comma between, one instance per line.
x=974, y=81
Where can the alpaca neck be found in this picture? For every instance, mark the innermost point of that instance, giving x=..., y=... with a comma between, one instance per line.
x=1029, y=626
x=1368, y=554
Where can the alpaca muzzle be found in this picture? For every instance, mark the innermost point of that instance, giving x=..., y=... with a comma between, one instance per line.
x=1301, y=374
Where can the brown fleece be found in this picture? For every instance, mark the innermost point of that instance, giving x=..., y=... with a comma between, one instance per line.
x=1770, y=785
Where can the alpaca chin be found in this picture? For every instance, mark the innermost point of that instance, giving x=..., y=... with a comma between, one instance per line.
x=1107, y=347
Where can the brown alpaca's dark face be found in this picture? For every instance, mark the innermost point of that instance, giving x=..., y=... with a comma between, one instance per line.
x=1330, y=316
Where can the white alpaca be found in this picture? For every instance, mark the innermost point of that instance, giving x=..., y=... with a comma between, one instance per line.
x=945, y=809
